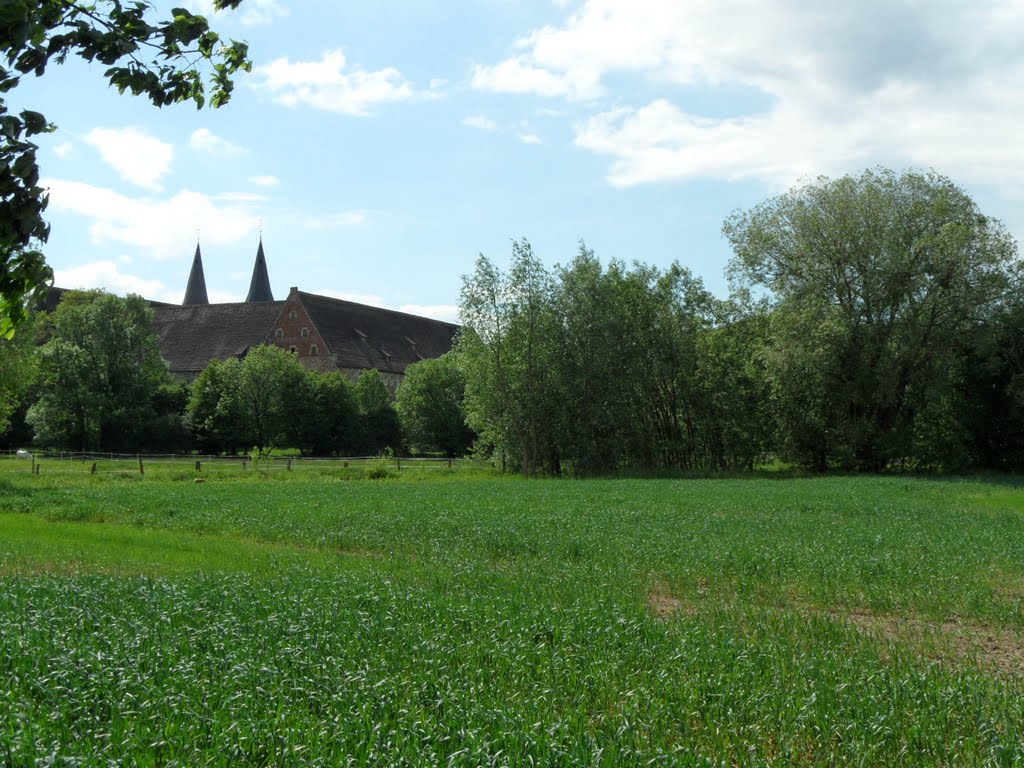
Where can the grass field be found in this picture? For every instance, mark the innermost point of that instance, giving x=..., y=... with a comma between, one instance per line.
x=447, y=618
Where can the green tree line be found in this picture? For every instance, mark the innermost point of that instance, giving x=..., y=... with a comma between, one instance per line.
x=874, y=323
x=89, y=377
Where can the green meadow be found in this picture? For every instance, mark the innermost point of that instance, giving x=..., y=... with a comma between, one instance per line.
x=460, y=618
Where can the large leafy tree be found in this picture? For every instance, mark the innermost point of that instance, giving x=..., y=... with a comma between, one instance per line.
x=326, y=421
x=431, y=406
x=102, y=378
x=214, y=413
x=268, y=387
x=994, y=382
x=178, y=59
x=593, y=370
x=379, y=425
x=19, y=370
x=254, y=401
x=878, y=283
x=508, y=351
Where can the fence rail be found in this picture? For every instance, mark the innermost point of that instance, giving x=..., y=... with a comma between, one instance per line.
x=86, y=462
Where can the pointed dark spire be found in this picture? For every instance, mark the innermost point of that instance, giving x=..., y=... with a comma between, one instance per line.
x=195, y=291
x=259, y=286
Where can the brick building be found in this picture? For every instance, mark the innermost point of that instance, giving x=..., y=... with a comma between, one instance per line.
x=327, y=334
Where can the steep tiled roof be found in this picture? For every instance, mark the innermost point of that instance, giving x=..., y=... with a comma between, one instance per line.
x=190, y=337
x=259, y=286
x=55, y=295
x=195, y=291
x=371, y=337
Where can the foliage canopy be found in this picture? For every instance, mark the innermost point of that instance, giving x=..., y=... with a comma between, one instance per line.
x=167, y=61
x=878, y=284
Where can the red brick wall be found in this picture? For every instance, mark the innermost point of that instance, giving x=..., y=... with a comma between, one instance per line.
x=287, y=333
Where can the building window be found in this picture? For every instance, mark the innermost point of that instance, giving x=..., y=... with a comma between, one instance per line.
x=293, y=350
x=293, y=315
x=279, y=333
x=305, y=333
x=313, y=349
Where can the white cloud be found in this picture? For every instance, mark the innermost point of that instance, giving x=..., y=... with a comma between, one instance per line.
x=838, y=88
x=165, y=227
x=332, y=220
x=481, y=123
x=139, y=158
x=108, y=276
x=250, y=13
x=240, y=197
x=63, y=149
x=205, y=140
x=264, y=181
x=516, y=75
x=326, y=85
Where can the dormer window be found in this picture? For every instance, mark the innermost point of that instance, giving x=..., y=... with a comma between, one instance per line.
x=305, y=333
x=293, y=315
x=313, y=349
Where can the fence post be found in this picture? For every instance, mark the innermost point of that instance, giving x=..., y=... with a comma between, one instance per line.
x=398, y=463
x=289, y=464
x=33, y=463
x=93, y=468
x=199, y=466
x=141, y=470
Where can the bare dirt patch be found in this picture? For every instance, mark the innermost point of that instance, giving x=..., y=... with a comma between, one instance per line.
x=945, y=641
x=952, y=642
x=666, y=605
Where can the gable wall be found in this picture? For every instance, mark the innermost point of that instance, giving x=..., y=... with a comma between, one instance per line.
x=291, y=328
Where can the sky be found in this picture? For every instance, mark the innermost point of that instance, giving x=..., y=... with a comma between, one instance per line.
x=380, y=147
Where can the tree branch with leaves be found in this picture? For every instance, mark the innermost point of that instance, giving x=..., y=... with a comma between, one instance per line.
x=171, y=61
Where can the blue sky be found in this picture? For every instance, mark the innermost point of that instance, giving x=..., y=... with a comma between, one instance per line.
x=384, y=145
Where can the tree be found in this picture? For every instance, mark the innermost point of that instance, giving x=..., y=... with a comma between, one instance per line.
x=327, y=418
x=430, y=405
x=252, y=402
x=877, y=283
x=214, y=413
x=19, y=371
x=592, y=370
x=379, y=426
x=507, y=349
x=161, y=60
x=267, y=395
x=736, y=420
x=102, y=376
x=994, y=383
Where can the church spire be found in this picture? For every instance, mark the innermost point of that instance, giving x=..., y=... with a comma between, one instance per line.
x=195, y=291
x=259, y=286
